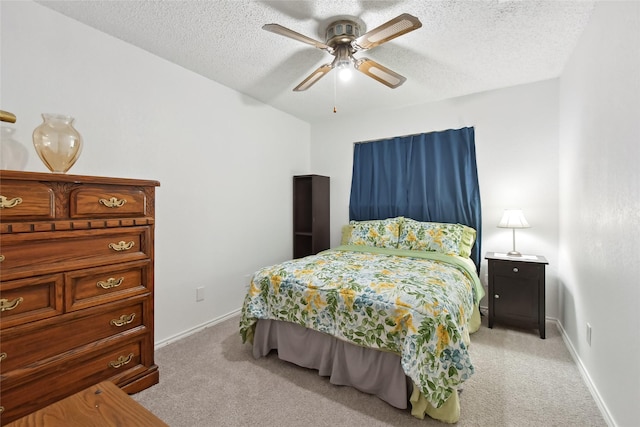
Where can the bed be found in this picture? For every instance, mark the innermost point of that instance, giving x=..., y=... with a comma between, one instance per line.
x=388, y=312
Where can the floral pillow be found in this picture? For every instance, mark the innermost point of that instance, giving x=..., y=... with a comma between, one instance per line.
x=449, y=239
x=379, y=233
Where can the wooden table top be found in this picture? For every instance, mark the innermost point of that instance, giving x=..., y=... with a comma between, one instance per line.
x=101, y=405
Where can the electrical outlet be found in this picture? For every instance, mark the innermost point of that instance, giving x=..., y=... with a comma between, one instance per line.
x=200, y=294
x=589, y=334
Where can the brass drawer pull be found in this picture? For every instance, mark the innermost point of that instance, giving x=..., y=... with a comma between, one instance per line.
x=496, y=296
x=113, y=202
x=110, y=283
x=6, y=203
x=121, y=361
x=515, y=269
x=3, y=356
x=6, y=305
x=123, y=320
x=121, y=246
x=1, y=409
x=1, y=258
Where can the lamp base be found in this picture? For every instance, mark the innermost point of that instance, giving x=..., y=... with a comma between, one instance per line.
x=514, y=253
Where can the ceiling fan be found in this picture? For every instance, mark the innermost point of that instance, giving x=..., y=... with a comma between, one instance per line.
x=343, y=39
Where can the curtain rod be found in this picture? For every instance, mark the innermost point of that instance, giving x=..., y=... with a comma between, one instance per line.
x=404, y=136
x=382, y=139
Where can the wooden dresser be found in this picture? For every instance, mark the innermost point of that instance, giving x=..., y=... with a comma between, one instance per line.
x=76, y=287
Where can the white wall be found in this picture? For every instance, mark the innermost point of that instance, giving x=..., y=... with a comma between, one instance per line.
x=600, y=205
x=516, y=132
x=224, y=161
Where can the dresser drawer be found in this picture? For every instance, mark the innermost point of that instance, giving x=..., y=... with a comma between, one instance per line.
x=118, y=364
x=100, y=285
x=32, y=299
x=40, y=253
x=517, y=269
x=107, y=202
x=24, y=346
x=22, y=201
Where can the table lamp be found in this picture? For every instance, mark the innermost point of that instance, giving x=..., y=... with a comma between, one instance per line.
x=513, y=218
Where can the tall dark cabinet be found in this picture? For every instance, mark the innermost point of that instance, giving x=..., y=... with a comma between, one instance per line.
x=310, y=214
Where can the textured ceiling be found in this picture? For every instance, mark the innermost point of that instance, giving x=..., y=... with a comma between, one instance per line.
x=463, y=47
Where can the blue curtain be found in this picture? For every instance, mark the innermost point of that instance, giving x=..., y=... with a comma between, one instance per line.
x=427, y=177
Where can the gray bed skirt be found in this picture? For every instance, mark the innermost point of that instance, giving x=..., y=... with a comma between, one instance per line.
x=368, y=370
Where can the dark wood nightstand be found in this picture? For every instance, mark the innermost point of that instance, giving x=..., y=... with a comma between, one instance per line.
x=516, y=290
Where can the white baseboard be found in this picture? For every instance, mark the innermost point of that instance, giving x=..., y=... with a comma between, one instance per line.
x=184, y=334
x=583, y=371
x=585, y=375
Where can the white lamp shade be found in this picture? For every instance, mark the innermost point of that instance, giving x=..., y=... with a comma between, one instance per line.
x=513, y=218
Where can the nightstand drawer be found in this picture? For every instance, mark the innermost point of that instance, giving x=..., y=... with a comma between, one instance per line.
x=516, y=269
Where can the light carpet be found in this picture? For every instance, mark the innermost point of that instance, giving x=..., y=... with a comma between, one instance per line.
x=211, y=379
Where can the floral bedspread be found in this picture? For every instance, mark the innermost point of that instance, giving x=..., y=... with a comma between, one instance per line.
x=415, y=304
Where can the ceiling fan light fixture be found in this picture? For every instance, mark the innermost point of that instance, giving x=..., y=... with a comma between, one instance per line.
x=343, y=62
x=343, y=39
x=344, y=73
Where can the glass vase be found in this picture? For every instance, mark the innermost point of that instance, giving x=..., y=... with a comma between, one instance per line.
x=13, y=155
x=57, y=142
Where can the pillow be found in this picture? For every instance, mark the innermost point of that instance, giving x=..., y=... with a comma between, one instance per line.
x=468, y=239
x=382, y=233
x=346, y=234
x=449, y=239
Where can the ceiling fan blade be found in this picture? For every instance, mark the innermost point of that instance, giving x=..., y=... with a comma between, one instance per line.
x=284, y=31
x=398, y=26
x=380, y=73
x=313, y=77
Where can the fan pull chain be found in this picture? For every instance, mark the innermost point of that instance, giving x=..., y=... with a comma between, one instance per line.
x=335, y=85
